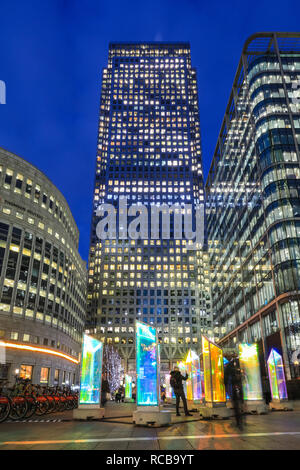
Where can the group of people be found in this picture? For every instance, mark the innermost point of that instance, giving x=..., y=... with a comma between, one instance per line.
x=106, y=394
x=232, y=379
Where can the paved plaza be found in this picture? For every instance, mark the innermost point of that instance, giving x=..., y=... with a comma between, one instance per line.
x=275, y=431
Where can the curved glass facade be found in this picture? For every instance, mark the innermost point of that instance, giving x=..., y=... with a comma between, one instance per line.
x=253, y=203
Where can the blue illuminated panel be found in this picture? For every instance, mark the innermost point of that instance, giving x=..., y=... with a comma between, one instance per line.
x=146, y=365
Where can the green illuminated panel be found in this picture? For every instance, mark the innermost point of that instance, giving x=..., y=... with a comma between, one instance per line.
x=128, y=386
x=91, y=371
x=249, y=364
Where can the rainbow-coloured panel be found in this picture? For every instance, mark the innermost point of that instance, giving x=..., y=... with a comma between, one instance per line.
x=91, y=371
x=146, y=365
x=194, y=382
x=249, y=364
x=213, y=372
x=276, y=376
x=128, y=386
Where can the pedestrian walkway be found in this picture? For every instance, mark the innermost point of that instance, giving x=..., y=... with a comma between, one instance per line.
x=277, y=430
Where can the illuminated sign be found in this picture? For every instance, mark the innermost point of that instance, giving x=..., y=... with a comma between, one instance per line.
x=213, y=372
x=91, y=371
x=249, y=365
x=147, y=365
x=276, y=376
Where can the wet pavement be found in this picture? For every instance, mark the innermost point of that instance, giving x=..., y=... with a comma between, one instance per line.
x=274, y=431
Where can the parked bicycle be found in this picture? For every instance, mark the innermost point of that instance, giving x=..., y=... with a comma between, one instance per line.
x=26, y=399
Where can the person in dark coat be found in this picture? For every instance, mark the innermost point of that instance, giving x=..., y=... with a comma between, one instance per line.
x=176, y=383
x=236, y=379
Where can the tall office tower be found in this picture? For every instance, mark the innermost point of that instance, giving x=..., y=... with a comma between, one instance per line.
x=149, y=151
x=253, y=208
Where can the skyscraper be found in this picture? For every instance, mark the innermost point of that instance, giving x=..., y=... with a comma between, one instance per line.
x=149, y=151
x=253, y=209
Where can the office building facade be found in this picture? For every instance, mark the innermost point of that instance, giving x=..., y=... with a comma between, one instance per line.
x=149, y=152
x=253, y=208
x=43, y=278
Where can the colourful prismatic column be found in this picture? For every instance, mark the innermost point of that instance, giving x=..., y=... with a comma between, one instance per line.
x=147, y=361
x=128, y=386
x=193, y=369
x=91, y=371
x=169, y=389
x=276, y=376
x=213, y=372
x=249, y=364
x=189, y=381
x=168, y=386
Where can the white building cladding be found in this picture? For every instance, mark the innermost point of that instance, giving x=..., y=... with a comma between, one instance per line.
x=43, y=278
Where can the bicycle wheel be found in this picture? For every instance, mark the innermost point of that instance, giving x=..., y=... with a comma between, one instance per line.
x=51, y=404
x=31, y=407
x=19, y=407
x=42, y=406
x=62, y=404
x=4, y=408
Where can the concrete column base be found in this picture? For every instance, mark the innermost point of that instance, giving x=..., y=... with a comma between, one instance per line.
x=209, y=411
x=258, y=407
x=88, y=412
x=154, y=418
x=281, y=405
x=128, y=400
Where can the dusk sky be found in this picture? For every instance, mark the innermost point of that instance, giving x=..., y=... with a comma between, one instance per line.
x=52, y=54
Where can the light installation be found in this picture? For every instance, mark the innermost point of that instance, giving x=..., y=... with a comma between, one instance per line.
x=91, y=371
x=147, y=365
x=213, y=372
x=249, y=365
x=128, y=386
x=192, y=362
x=169, y=390
x=276, y=376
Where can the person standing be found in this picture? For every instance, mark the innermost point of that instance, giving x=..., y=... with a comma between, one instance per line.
x=177, y=385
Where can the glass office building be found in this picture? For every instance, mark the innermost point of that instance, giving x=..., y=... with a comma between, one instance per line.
x=149, y=151
x=253, y=205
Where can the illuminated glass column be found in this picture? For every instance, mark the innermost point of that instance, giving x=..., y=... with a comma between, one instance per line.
x=251, y=378
x=276, y=376
x=169, y=389
x=249, y=364
x=213, y=373
x=128, y=388
x=90, y=379
x=193, y=369
x=147, y=378
x=147, y=365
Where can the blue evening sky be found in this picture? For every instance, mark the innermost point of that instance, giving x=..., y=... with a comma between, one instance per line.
x=52, y=53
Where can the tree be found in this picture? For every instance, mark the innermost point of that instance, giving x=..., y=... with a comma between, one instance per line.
x=112, y=367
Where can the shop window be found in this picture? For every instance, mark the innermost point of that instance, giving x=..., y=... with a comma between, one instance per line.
x=44, y=375
x=26, y=372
